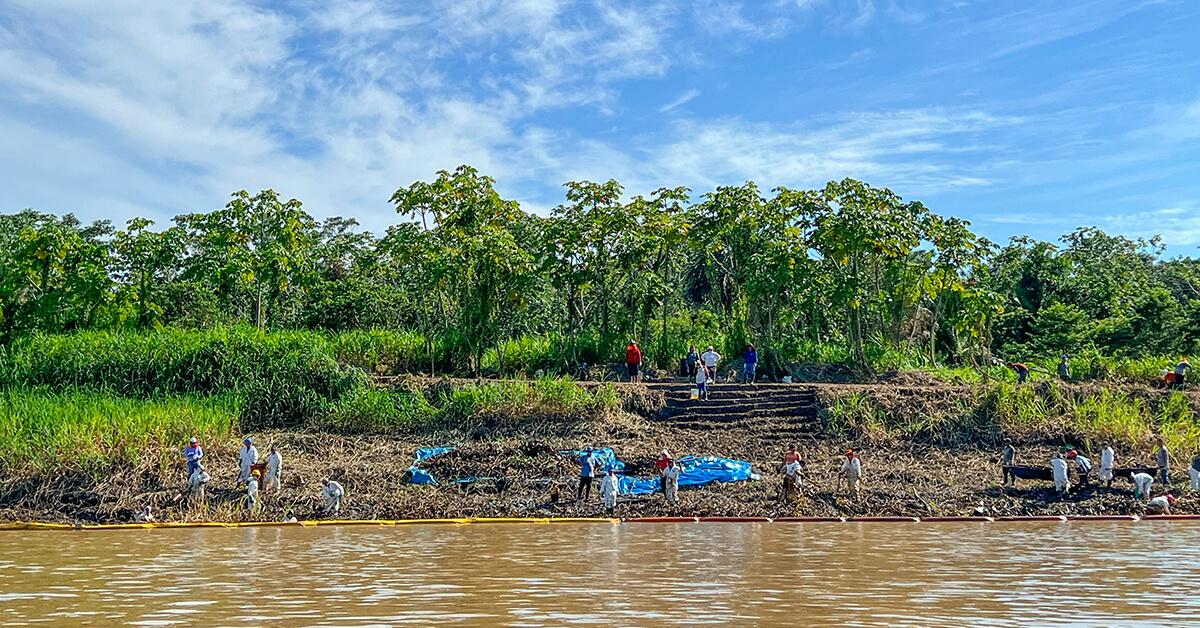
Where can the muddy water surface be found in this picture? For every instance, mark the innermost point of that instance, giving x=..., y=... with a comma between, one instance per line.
x=631, y=574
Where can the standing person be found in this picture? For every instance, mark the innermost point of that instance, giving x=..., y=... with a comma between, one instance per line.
x=193, y=454
x=1008, y=455
x=1143, y=483
x=660, y=467
x=246, y=460
x=609, y=487
x=693, y=361
x=1107, y=458
x=1180, y=369
x=792, y=480
x=251, y=494
x=196, y=482
x=274, y=469
x=852, y=472
x=1022, y=371
x=751, y=360
x=1083, y=465
x=587, y=469
x=791, y=455
x=1059, y=468
x=633, y=361
x=333, y=494
x=1194, y=473
x=1163, y=457
x=702, y=382
x=671, y=476
x=710, y=359
x=1064, y=369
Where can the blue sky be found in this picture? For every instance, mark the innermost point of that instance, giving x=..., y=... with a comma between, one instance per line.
x=1024, y=117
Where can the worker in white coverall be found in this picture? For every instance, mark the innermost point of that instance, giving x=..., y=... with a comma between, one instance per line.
x=852, y=472
x=246, y=459
x=274, y=468
x=1107, y=458
x=1160, y=505
x=196, y=482
x=1143, y=483
x=1059, y=468
x=610, y=486
x=333, y=493
x=251, y=494
x=671, y=482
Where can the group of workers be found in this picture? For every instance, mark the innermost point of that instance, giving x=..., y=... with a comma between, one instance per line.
x=1171, y=378
x=701, y=367
x=268, y=477
x=1143, y=483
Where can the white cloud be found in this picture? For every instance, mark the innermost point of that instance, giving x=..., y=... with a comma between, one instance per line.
x=684, y=98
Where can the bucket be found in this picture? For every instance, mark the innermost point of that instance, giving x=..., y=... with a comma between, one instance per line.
x=787, y=379
x=695, y=393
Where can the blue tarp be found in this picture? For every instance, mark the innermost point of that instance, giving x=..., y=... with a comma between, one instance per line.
x=693, y=471
x=425, y=453
x=421, y=476
x=605, y=459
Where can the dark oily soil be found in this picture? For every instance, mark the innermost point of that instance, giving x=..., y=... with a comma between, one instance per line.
x=905, y=479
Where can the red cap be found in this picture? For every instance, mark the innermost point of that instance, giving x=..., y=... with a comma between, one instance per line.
x=1072, y=453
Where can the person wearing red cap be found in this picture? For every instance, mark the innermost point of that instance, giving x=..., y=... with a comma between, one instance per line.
x=1161, y=505
x=660, y=467
x=1083, y=465
x=852, y=472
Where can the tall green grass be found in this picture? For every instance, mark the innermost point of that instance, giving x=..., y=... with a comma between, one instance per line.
x=45, y=428
x=1031, y=413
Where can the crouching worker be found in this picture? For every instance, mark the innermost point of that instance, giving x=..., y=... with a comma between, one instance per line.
x=333, y=493
x=1083, y=465
x=609, y=487
x=1142, y=485
x=1059, y=468
x=1161, y=505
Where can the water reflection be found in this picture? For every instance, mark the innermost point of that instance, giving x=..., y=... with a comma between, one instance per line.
x=633, y=574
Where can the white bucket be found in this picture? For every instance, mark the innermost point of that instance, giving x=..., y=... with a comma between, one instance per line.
x=695, y=393
x=787, y=379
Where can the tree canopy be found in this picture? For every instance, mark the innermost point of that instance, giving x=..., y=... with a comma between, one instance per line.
x=848, y=271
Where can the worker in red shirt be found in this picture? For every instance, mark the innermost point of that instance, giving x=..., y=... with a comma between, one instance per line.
x=633, y=361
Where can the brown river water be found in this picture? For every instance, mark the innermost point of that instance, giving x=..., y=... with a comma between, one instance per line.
x=997, y=574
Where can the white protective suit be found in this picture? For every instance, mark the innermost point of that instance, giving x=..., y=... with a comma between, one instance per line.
x=251, y=494
x=1142, y=485
x=671, y=475
x=852, y=471
x=333, y=493
x=609, y=487
x=1159, y=505
x=196, y=483
x=1107, y=458
x=1059, y=467
x=246, y=459
x=274, y=468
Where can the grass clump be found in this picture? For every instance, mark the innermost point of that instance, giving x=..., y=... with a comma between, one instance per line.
x=44, y=428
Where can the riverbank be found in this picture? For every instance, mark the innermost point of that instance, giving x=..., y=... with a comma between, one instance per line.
x=938, y=468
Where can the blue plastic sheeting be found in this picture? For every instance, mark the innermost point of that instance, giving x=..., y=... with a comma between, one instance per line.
x=605, y=458
x=421, y=476
x=693, y=471
x=425, y=453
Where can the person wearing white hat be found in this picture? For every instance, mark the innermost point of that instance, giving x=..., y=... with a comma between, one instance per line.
x=710, y=359
x=246, y=459
x=671, y=482
x=192, y=453
x=609, y=487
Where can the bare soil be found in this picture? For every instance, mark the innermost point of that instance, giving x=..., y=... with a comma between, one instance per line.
x=519, y=462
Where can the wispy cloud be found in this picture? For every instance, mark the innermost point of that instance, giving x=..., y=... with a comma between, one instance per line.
x=683, y=99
